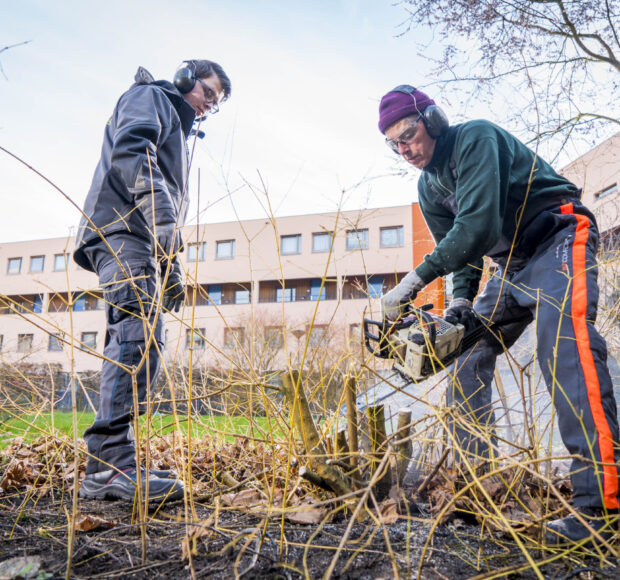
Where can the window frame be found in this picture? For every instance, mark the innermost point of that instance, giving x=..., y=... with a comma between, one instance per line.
x=83, y=343
x=353, y=235
x=201, y=251
x=317, y=235
x=606, y=191
x=221, y=243
x=8, y=266
x=56, y=340
x=42, y=258
x=290, y=237
x=200, y=342
x=400, y=236
x=65, y=257
x=20, y=339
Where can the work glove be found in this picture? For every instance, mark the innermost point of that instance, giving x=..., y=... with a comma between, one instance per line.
x=166, y=239
x=395, y=303
x=173, y=291
x=461, y=311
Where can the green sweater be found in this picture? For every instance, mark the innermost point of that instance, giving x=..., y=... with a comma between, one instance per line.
x=472, y=194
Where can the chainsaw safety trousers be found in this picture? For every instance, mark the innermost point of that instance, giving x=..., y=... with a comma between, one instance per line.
x=557, y=287
x=133, y=343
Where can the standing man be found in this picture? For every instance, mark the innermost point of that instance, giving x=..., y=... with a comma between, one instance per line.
x=484, y=193
x=129, y=235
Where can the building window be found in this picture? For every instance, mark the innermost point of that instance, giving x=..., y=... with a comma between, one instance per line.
x=316, y=292
x=196, y=252
x=290, y=244
x=1, y=341
x=225, y=250
x=79, y=305
x=37, y=263
x=242, y=296
x=321, y=241
x=286, y=294
x=215, y=293
x=198, y=336
x=607, y=191
x=54, y=343
x=60, y=262
x=89, y=340
x=15, y=266
x=375, y=287
x=317, y=335
x=24, y=342
x=274, y=337
x=392, y=237
x=233, y=336
x=357, y=239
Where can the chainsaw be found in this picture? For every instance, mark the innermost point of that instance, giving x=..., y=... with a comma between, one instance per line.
x=422, y=343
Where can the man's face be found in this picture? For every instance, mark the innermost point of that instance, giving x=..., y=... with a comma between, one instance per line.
x=412, y=141
x=205, y=95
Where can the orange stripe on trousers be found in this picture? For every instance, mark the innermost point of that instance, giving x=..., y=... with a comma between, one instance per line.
x=579, y=304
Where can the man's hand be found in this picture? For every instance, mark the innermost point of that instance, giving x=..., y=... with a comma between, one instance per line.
x=174, y=291
x=460, y=311
x=165, y=237
x=394, y=303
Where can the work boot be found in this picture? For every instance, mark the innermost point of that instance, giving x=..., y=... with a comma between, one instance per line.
x=112, y=484
x=570, y=529
x=163, y=473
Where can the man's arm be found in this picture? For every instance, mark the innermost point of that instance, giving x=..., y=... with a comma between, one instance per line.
x=480, y=195
x=143, y=120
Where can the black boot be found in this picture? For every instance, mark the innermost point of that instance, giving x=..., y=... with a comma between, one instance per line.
x=112, y=484
x=570, y=529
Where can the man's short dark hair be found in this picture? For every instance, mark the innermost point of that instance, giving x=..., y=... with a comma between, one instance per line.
x=206, y=68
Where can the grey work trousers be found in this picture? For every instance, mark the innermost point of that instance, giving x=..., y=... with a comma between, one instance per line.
x=558, y=286
x=130, y=296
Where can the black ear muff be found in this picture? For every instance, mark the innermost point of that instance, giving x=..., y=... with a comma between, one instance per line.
x=433, y=117
x=435, y=121
x=184, y=79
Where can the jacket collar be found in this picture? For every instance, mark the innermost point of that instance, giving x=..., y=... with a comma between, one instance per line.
x=443, y=149
x=183, y=108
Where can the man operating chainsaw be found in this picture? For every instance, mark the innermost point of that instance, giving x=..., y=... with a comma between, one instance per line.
x=484, y=193
x=129, y=235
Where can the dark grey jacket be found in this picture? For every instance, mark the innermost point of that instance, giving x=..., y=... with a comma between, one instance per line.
x=141, y=178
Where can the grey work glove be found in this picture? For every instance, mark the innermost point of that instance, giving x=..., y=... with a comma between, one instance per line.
x=173, y=291
x=166, y=239
x=461, y=311
x=395, y=303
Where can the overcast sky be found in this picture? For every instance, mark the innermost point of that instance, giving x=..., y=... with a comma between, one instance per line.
x=302, y=121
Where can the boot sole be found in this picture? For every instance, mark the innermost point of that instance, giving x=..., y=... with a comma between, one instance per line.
x=90, y=490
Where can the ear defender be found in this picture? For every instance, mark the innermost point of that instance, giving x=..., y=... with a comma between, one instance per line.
x=184, y=78
x=434, y=118
x=435, y=121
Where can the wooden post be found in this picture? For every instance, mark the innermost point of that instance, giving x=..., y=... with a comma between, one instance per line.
x=306, y=429
x=350, y=392
x=378, y=439
x=342, y=447
x=302, y=418
x=403, y=446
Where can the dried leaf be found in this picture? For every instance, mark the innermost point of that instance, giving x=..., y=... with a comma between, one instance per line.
x=247, y=497
x=388, y=512
x=306, y=516
x=88, y=523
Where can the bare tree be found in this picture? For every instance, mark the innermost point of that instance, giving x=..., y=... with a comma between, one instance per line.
x=555, y=63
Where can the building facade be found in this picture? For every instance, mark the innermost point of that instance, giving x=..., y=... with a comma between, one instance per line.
x=290, y=282
x=598, y=174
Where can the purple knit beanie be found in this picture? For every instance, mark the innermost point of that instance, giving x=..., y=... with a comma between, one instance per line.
x=397, y=105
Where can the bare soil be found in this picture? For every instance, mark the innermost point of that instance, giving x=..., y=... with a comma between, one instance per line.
x=459, y=549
